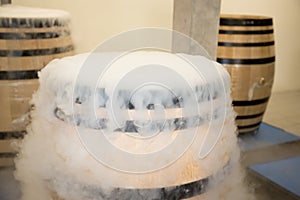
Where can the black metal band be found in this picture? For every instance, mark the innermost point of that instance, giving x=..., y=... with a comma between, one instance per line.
x=254, y=44
x=33, y=36
x=32, y=22
x=12, y=135
x=250, y=32
x=253, y=61
x=246, y=22
x=184, y=191
x=250, y=103
x=8, y=155
x=249, y=116
x=19, y=75
x=35, y=52
x=129, y=126
x=249, y=126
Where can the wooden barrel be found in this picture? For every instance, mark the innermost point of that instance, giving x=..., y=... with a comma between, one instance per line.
x=29, y=39
x=246, y=49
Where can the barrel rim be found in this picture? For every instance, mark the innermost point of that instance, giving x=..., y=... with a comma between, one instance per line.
x=245, y=20
x=244, y=16
x=248, y=131
x=249, y=126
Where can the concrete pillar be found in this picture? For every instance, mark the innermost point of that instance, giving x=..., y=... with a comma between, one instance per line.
x=199, y=19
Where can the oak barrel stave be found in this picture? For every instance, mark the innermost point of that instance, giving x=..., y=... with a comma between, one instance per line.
x=246, y=48
x=26, y=46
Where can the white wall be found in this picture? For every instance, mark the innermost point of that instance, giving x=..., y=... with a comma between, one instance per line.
x=96, y=20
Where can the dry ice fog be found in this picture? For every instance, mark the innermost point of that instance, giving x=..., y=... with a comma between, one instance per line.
x=145, y=125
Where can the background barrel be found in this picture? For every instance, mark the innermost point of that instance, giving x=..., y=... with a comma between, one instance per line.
x=29, y=39
x=246, y=49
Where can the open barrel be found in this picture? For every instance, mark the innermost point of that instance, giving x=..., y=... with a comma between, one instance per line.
x=139, y=138
x=29, y=39
x=246, y=49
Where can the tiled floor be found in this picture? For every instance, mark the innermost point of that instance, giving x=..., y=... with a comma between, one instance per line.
x=284, y=111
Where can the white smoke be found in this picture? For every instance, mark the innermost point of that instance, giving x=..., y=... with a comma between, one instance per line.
x=69, y=154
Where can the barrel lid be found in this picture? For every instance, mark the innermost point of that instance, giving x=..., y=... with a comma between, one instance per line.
x=14, y=11
x=12, y=16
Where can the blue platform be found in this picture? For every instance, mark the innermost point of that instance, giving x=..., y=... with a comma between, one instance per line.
x=266, y=136
x=283, y=149
x=284, y=173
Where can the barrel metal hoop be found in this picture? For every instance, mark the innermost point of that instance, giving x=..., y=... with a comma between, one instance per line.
x=19, y=75
x=254, y=61
x=245, y=22
x=129, y=126
x=34, y=36
x=36, y=52
x=246, y=32
x=253, y=44
x=249, y=116
x=250, y=103
x=12, y=135
x=7, y=154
